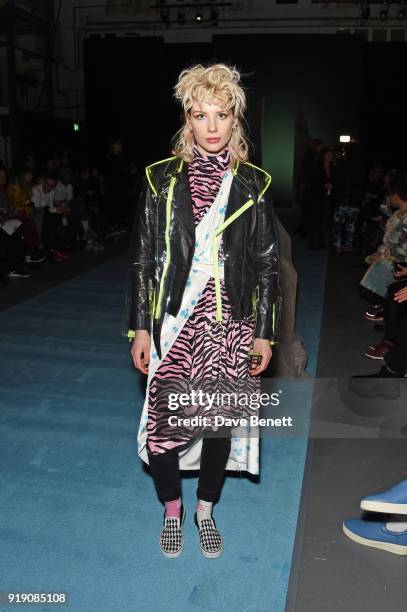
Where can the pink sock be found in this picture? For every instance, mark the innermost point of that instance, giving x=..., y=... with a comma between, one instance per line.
x=173, y=508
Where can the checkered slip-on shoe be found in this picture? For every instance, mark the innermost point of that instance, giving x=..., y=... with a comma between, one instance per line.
x=210, y=540
x=171, y=538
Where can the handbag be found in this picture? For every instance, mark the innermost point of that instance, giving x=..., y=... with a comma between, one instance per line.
x=378, y=277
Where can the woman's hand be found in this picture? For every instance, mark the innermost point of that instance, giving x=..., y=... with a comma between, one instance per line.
x=401, y=295
x=140, y=350
x=261, y=345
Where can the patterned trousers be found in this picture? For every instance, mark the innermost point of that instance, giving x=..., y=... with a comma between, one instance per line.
x=345, y=218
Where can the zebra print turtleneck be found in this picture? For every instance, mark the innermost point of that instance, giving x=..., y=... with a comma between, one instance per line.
x=205, y=174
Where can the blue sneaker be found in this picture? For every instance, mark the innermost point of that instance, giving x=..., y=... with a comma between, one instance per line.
x=374, y=534
x=393, y=501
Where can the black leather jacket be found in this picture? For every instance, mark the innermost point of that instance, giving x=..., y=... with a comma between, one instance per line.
x=164, y=218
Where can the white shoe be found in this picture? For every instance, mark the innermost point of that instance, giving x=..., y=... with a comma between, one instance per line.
x=93, y=245
x=34, y=258
x=14, y=274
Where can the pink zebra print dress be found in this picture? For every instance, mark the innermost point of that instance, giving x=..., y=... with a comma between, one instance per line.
x=197, y=355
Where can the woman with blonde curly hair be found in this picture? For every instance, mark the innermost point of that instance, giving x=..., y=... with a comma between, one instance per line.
x=203, y=301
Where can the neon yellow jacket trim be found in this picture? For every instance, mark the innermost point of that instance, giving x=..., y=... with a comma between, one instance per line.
x=215, y=243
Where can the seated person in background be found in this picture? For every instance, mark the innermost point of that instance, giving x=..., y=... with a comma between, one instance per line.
x=321, y=183
x=348, y=194
x=389, y=535
x=395, y=359
x=11, y=244
x=375, y=212
x=386, y=535
x=392, y=310
x=88, y=187
x=43, y=197
x=134, y=187
x=393, y=249
x=375, y=182
x=77, y=212
x=394, y=245
x=20, y=194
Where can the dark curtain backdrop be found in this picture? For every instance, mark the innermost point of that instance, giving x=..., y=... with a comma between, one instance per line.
x=43, y=137
x=318, y=77
x=383, y=121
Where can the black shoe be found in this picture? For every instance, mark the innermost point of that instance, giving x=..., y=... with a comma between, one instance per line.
x=380, y=384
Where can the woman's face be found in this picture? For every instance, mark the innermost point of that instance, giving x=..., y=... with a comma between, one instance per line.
x=211, y=126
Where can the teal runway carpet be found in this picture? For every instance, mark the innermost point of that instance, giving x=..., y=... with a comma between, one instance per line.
x=78, y=512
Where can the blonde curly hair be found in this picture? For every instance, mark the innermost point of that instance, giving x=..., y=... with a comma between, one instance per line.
x=210, y=84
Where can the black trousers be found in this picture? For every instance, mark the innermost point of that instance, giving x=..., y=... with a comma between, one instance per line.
x=13, y=249
x=164, y=468
x=52, y=231
x=393, y=310
x=396, y=358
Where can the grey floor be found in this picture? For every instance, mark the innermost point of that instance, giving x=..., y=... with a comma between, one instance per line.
x=331, y=573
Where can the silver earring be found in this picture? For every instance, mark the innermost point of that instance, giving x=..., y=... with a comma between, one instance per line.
x=234, y=128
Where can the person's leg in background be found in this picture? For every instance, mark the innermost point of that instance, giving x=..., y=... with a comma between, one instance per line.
x=396, y=358
x=393, y=310
x=386, y=382
x=386, y=535
x=14, y=250
x=52, y=236
x=80, y=218
x=338, y=222
x=98, y=220
x=352, y=215
x=31, y=237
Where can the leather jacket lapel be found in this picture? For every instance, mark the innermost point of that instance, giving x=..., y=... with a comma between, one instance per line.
x=182, y=200
x=243, y=189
